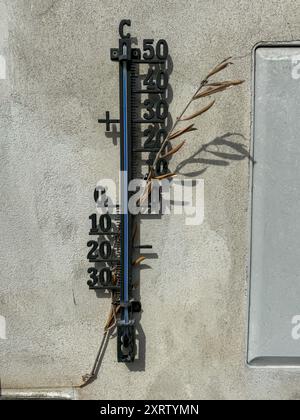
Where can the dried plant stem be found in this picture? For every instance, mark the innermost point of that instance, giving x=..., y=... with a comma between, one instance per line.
x=214, y=88
x=152, y=169
x=203, y=83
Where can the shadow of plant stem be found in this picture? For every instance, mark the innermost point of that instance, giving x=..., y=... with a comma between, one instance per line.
x=224, y=148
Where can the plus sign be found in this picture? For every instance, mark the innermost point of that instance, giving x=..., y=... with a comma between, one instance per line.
x=108, y=121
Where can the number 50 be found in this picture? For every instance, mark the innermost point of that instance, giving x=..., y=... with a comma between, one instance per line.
x=161, y=51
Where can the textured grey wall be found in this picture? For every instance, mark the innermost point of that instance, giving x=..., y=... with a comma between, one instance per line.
x=59, y=81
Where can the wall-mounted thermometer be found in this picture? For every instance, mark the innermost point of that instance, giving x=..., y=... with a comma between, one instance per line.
x=143, y=84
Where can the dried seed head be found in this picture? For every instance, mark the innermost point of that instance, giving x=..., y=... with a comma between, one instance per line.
x=173, y=151
x=184, y=130
x=222, y=66
x=166, y=176
x=138, y=261
x=200, y=112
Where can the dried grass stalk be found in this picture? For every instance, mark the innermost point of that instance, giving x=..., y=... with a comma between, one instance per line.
x=112, y=318
x=147, y=191
x=138, y=261
x=227, y=83
x=134, y=233
x=218, y=87
x=173, y=151
x=200, y=112
x=109, y=319
x=114, y=279
x=222, y=66
x=205, y=89
x=171, y=175
x=210, y=91
x=184, y=130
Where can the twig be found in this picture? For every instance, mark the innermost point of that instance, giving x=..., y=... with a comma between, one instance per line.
x=203, y=83
x=218, y=87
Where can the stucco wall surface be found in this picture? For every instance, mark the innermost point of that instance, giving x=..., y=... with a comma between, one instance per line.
x=58, y=81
